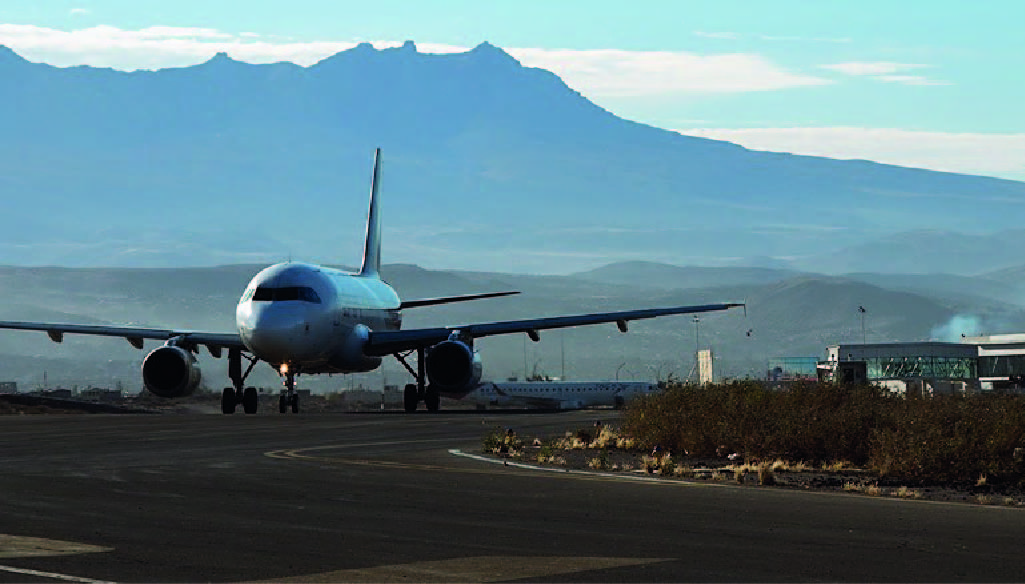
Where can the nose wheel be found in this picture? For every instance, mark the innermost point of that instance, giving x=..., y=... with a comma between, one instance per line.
x=289, y=398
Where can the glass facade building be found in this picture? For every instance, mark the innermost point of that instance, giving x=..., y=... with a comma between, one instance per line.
x=983, y=363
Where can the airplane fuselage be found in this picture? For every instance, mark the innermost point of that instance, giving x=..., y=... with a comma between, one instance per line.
x=313, y=319
x=561, y=394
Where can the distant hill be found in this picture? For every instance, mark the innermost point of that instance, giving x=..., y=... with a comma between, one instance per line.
x=795, y=315
x=488, y=165
x=652, y=274
x=925, y=251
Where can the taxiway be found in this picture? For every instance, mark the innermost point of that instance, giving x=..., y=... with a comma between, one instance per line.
x=377, y=497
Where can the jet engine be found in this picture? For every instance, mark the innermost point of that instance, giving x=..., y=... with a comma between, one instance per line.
x=453, y=366
x=170, y=371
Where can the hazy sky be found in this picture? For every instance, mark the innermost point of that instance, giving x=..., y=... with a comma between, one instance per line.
x=938, y=84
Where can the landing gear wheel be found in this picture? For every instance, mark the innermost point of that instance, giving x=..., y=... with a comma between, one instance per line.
x=228, y=401
x=410, y=399
x=250, y=400
x=432, y=399
x=295, y=403
x=282, y=404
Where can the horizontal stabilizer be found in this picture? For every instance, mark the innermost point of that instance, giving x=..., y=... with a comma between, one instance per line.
x=448, y=299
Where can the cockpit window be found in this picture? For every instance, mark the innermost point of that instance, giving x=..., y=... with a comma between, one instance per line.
x=300, y=293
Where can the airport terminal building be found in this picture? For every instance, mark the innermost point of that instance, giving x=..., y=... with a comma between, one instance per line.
x=977, y=364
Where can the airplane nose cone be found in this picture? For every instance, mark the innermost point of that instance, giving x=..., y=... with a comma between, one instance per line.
x=275, y=333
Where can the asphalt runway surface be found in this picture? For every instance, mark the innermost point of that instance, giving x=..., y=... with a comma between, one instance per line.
x=381, y=498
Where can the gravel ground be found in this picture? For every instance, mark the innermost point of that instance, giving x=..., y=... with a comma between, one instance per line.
x=849, y=481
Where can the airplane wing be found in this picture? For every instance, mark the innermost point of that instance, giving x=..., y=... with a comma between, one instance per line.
x=214, y=342
x=388, y=342
x=448, y=299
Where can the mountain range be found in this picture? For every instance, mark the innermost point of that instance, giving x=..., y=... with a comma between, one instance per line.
x=789, y=314
x=488, y=165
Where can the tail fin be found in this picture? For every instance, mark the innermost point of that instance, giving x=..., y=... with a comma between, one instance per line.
x=372, y=247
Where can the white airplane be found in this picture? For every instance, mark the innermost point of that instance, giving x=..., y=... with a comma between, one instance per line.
x=563, y=395
x=306, y=319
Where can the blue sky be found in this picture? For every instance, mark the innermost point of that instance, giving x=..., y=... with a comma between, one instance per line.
x=936, y=84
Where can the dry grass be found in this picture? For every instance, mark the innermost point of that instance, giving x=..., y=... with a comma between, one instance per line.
x=939, y=439
x=906, y=493
x=553, y=460
x=662, y=464
x=501, y=441
x=837, y=466
x=600, y=438
x=684, y=471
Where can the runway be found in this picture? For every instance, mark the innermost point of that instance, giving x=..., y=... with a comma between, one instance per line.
x=378, y=497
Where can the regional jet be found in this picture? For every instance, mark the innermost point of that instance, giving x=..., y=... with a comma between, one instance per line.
x=562, y=395
x=305, y=319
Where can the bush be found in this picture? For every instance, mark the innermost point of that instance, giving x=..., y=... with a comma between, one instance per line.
x=500, y=441
x=943, y=438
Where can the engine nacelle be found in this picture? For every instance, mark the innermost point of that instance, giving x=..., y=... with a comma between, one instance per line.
x=453, y=366
x=170, y=371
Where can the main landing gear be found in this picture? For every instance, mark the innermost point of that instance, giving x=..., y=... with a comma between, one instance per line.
x=414, y=393
x=235, y=395
x=289, y=397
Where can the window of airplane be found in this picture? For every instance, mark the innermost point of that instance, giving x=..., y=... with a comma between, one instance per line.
x=300, y=293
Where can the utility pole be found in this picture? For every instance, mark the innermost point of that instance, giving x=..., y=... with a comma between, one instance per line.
x=524, y=357
x=562, y=341
x=697, y=335
x=861, y=312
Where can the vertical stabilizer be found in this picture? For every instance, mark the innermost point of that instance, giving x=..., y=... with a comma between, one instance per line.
x=372, y=247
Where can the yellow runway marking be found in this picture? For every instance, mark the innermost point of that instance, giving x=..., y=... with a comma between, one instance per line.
x=13, y=546
x=474, y=569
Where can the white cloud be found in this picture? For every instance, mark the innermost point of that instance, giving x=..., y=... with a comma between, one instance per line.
x=886, y=71
x=727, y=36
x=78, y=11
x=1000, y=155
x=171, y=32
x=911, y=80
x=164, y=46
x=871, y=69
x=618, y=73
x=804, y=39
x=596, y=73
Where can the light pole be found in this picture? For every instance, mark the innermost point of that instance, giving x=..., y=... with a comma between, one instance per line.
x=697, y=335
x=861, y=312
x=562, y=343
x=524, y=357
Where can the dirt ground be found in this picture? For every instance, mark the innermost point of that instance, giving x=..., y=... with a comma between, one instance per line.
x=851, y=481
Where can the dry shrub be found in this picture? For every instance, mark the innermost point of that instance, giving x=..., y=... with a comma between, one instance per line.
x=808, y=422
x=964, y=439
x=945, y=438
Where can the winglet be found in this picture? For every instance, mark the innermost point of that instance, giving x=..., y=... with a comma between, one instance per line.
x=372, y=247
